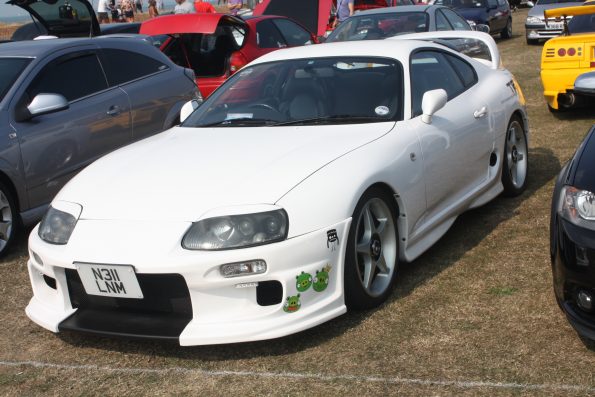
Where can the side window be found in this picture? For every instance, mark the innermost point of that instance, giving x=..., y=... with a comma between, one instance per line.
x=463, y=69
x=457, y=22
x=294, y=34
x=123, y=66
x=430, y=71
x=268, y=36
x=74, y=76
x=441, y=22
x=493, y=3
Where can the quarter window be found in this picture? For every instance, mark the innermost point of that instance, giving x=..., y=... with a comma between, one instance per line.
x=124, y=66
x=294, y=34
x=73, y=76
x=268, y=36
x=463, y=69
x=457, y=22
x=441, y=22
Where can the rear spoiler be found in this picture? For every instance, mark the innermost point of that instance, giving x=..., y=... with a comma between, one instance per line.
x=478, y=45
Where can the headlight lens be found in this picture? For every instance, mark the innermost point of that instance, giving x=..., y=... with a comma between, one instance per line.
x=578, y=206
x=533, y=20
x=57, y=224
x=237, y=231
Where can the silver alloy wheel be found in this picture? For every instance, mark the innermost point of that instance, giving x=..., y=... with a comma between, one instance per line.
x=5, y=221
x=516, y=154
x=375, y=247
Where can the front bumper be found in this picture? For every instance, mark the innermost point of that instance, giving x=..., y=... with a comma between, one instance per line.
x=205, y=307
x=573, y=266
x=540, y=31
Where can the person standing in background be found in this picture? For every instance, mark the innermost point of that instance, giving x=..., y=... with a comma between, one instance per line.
x=184, y=7
x=128, y=10
x=202, y=6
x=153, y=9
x=160, y=4
x=344, y=11
x=139, y=6
x=235, y=6
x=102, y=9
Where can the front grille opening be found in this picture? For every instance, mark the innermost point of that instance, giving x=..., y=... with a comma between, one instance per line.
x=269, y=293
x=51, y=282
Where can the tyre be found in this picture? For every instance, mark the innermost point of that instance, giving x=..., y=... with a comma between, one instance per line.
x=371, y=260
x=507, y=32
x=9, y=221
x=515, y=164
x=532, y=41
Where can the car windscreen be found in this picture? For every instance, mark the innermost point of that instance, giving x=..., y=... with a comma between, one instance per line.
x=582, y=24
x=380, y=26
x=462, y=4
x=334, y=90
x=10, y=70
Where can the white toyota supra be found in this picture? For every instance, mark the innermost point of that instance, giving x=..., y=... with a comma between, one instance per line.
x=289, y=196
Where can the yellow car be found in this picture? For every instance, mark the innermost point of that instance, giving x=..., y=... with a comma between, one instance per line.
x=568, y=61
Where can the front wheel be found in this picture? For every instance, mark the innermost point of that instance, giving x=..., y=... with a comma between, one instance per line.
x=507, y=32
x=372, y=251
x=515, y=165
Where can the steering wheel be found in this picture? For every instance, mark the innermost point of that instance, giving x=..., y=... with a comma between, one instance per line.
x=263, y=106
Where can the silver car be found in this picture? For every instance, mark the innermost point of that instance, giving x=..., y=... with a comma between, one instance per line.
x=535, y=26
x=65, y=103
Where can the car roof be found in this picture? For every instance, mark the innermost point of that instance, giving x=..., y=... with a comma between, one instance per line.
x=392, y=10
x=40, y=48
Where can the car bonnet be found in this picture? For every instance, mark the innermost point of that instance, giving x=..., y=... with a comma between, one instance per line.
x=62, y=18
x=182, y=173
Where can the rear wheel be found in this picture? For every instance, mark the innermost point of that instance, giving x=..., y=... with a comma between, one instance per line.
x=515, y=165
x=507, y=32
x=372, y=251
x=9, y=220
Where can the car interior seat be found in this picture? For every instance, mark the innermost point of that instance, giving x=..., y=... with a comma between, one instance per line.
x=303, y=99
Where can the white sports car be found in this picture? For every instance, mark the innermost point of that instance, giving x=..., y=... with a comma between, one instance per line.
x=289, y=196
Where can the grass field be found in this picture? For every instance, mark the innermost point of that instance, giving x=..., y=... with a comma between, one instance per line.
x=475, y=315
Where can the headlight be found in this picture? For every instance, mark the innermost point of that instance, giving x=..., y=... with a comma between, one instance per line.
x=578, y=206
x=59, y=222
x=533, y=20
x=237, y=231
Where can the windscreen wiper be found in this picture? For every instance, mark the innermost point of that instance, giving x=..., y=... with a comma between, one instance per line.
x=239, y=122
x=336, y=119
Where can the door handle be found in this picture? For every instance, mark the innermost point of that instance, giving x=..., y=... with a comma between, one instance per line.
x=480, y=112
x=113, y=111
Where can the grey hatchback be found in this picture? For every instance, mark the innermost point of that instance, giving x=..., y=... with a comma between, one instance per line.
x=66, y=102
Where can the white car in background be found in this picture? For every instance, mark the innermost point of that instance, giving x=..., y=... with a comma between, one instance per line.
x=289, y=196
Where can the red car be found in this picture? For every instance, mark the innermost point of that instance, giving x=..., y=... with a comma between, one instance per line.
x=217, y=45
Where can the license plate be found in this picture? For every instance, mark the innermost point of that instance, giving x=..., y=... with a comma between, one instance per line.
x=555, y=25
x=117, y=281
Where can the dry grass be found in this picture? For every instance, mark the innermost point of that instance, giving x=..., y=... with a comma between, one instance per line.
x=477, y=307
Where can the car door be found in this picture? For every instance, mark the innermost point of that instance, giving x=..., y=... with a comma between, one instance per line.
x=139, y=77
x=55, y=146
x=457, y=144
x=495, y=19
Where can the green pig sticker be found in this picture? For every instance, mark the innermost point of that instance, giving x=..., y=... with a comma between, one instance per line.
x=293, y=304
x=321, y=279
x=303, y=281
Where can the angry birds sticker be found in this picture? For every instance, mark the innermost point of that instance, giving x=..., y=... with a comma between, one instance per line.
x=321, y=279
x=292, y=304
x=303, y=281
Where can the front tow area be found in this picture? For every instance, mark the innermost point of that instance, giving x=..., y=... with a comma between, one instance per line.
x=185, y=295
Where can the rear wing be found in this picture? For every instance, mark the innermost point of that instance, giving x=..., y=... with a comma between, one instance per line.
x=478, y=45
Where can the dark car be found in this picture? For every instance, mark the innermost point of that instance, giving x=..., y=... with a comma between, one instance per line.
x=66, y=102
x=386, y=22
x=215, y=46
x=494, y=13
x=572, y=238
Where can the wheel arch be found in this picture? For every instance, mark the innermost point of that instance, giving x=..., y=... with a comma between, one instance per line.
x=7, y=181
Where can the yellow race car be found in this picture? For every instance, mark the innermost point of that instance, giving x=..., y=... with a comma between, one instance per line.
x=568, y=61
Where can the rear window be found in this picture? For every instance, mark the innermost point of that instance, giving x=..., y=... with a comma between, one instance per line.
x=374, y=27
x=582, y=24
x=10, y=70
x=70, y=17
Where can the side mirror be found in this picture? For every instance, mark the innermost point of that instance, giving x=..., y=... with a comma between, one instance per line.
x=530, y=4
x=480, y=27
x=47, y=103
x=187, y=109
x=432, y=102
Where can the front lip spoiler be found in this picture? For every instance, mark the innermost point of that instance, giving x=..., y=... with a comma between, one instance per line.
x=583, y=327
